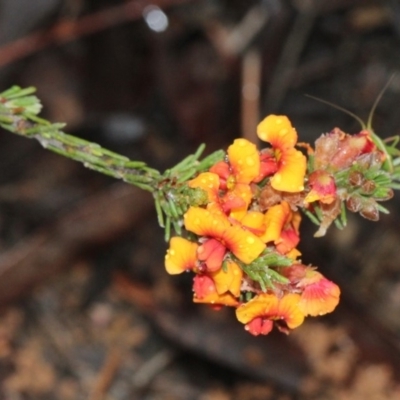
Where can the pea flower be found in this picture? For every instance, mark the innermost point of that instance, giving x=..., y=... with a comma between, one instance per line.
x=236, y=214
x=236, y=174
x=319, y=295
x=205, y=291
x=291, y=163
x=282, y=227
x=260, y=313
x=242, y=243
x=181, y=255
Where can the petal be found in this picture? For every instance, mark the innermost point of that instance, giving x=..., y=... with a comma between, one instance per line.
x=237, y=200
x=275, y=219
x=350, y=147
x=291, y=171
x=254, y=221
x=228, y=279
x=243, y=244
x=258, y=306
x=203, y=286
x=222, y=169
x=212, y=252
x=245, y=160
x=288, y=240
x=205, y=292
x=294, y=254
x=289, y=310
x=319, y=297
x=204, y=222
x=268, y=164
x=278, y=131
x=269, y=306
x=322, y=186
x=181, y=255
x=209, y=182
x=259, y=326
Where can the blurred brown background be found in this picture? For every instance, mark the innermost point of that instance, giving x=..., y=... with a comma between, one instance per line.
x=87, y=310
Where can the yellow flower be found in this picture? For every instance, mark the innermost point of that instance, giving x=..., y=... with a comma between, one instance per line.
x=278, y=131
x=181, y=255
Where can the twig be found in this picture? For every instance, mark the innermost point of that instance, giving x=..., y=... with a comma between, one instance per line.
x=233, y=42
x=69, y=30
x=251, y=82
x=151, y=368
x=107, y=373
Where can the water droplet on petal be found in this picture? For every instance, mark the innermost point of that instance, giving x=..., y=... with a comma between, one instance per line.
x=249, y=161
x=250, y=240
x=283, y=132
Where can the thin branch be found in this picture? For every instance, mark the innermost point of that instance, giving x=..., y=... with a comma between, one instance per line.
x=66, y=31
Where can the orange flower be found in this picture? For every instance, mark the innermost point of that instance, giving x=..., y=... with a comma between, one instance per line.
x=268, y=307
x=282, y=227
x=181, y=255
x=205, y=291
x=242, y=168
x=243, y=244
x=320, y=296
x=291, y=163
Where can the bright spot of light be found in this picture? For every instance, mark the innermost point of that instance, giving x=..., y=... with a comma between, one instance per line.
x=155, y=18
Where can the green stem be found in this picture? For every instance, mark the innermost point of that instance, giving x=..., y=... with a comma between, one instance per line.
x=19, y=110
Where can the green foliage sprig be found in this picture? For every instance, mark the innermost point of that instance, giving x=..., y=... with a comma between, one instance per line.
x=19, y=109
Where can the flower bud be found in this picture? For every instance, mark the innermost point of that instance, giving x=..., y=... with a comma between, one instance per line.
x=356, y=178
x=354, y=204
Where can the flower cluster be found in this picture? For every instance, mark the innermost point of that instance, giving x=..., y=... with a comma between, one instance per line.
x=348, y=171
x=242, y=244
x=236, y=215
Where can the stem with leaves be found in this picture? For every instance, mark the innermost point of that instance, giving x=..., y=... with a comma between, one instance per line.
x=19, y=109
